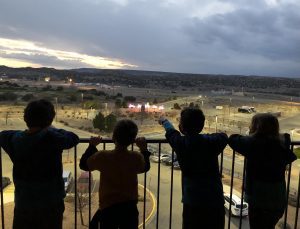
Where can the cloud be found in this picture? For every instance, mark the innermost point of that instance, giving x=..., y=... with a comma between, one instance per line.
x=207, y=36
x=36, y=53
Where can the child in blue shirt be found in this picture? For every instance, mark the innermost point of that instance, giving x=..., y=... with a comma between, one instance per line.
x=36, y=154
x=202, y=190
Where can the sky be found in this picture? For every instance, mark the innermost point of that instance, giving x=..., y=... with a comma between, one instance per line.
x=244, y=37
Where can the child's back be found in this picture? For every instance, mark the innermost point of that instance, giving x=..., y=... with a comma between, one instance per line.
x=118, y=178
x=118, y=190
x=36, y=154
x=202, y=190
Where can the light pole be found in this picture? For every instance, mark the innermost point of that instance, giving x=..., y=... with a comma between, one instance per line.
x=230, y=99
x=216, y=123
x=292, y=135
x=55, y=109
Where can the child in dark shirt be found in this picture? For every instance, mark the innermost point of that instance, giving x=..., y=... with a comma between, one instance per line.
x=36, y=154
x=267, y=155
x=118, y=190
x=202, y=190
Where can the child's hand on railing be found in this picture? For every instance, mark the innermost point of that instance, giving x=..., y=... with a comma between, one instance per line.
x=141, y=143
x=95, y=140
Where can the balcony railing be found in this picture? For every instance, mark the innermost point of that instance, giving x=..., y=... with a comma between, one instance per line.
x=230, y=170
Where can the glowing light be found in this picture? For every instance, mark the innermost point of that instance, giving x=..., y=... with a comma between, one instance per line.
x=147, y=106
x=47, y=79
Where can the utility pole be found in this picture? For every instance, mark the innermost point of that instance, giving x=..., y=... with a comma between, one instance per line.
x=56, y=114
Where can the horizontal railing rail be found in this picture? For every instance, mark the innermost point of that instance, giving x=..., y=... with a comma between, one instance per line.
x=229, y=171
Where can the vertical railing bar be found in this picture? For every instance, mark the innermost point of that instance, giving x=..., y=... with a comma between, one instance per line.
x=1, y=185
x=90, y=195
x=287, y=195
x=158, y=186
x=144, y=209
x=231, y=188
x=242, y=197
x=75, y=174
x=221, y=163
x=171, y=191
x=297, y=205
x=104, y=146
x=131, y=147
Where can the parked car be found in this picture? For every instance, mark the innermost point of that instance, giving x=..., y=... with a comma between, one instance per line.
x=176, y=165
x=5, y=182
x=168, y=161
x=67, y=176
x=83, y=182
x=235, y=205
x=155, y=158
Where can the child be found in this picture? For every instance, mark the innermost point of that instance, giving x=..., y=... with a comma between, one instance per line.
x=267, y=155
x=118, y=190
x=202, y=190
x=36, y=154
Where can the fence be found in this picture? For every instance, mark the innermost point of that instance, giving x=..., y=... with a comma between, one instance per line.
x=230, y=171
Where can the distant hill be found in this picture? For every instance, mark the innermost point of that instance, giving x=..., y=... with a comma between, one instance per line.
x=282, y=85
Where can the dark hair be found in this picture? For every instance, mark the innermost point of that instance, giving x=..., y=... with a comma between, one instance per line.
x=192, y=120
x=39, y=113
x=125, y=132
x=264, y=124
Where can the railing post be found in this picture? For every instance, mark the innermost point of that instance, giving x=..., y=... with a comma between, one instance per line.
x=231, y=188
x=297, y=204
x=287, y=195
x=144, y=207
x=171, y=191
x=1, y=185
x=242, y=197
x=158, y=185
x=75, y=183
x=90, y=196
x=221, y=163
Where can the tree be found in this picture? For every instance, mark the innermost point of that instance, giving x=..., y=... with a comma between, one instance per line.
x=110, y=122
x=118, y=103
x=124, y=104
x=191, y=104
x=176, y=106
x=8, y=96
x=28, y=97
x=73, y=98
x=99, y=121
x=60, y=88
x=129, y=98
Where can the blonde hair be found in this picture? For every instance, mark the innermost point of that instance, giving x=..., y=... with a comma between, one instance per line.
x=264, y=124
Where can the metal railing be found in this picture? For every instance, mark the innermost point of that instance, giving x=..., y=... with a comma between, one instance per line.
x=170, y=221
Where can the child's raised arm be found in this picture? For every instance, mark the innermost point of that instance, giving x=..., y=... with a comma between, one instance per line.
x=91, y=150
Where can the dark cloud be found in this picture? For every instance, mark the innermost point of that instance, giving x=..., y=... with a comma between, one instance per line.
x=252, y=38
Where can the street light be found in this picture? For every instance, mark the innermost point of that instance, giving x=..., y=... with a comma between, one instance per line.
x=55, y=109
x=292, y=134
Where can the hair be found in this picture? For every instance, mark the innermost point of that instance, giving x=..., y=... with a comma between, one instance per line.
x=192, y=120
x=264, y=124
x=125, y=132
x=39, y=113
